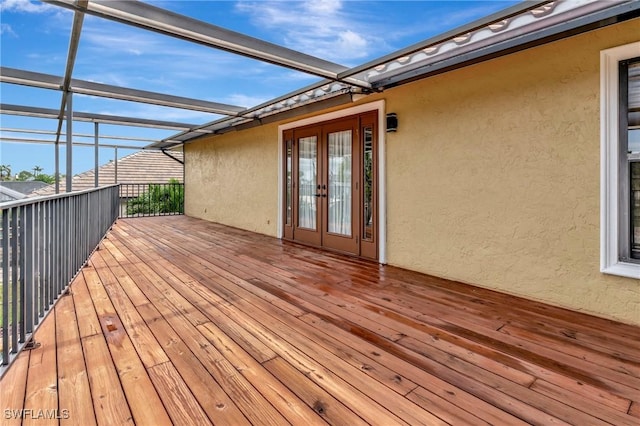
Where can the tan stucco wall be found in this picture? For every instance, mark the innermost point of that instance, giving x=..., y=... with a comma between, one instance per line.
x=503, y=163
x=233, y=179
x=493, y=177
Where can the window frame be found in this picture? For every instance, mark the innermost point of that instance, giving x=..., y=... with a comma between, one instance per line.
x=613, y=228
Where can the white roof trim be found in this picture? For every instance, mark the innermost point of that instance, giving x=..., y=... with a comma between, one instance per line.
x=11, y=193
x=525, y=23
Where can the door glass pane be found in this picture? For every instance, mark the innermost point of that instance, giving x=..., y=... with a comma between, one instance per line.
x=307, y=179
x=339, y=191
x=367, y=186
x=289, y=182
x=635, y=209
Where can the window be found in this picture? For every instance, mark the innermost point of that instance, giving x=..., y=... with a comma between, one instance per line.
x=620, y=129
x=629, y=82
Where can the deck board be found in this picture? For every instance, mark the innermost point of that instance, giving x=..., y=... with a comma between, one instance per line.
x=73, y=383
x=212, y=398
x=41, y=398
x=178, y=320
x=12, y=397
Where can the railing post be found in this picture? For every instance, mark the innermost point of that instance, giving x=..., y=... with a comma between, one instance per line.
x=5, y=287
x=15, y=258
x=29, y=270
x=44, y=280
x=52, y=242
x=37, y=278
x=55, y=273
x=23, y=271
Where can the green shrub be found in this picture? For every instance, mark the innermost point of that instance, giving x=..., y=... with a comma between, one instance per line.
x=158, y=199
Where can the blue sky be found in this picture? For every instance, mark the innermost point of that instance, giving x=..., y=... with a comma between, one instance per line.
x=35, y=37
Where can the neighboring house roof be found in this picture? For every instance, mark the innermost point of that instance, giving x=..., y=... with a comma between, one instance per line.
x=24, y=187
x=140, y=167
x=7, y=194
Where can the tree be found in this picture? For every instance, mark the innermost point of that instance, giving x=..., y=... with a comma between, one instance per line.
x=159, y=199
x=37, y=170
x=5, y=172
x=24, y=175
x=43, y=177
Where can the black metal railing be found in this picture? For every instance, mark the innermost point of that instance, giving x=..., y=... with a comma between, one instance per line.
x=151, y=199
x=45, y=241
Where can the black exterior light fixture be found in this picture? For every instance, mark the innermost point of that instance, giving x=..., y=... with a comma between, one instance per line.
x=392, y=122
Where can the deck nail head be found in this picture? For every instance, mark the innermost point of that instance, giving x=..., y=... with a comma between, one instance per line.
x=318, y=407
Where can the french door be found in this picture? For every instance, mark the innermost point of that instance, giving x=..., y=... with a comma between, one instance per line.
x=330, y=192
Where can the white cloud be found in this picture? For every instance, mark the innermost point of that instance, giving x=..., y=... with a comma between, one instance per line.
x=132, y=58
x=324, y=6
x=5, y=29
x=351, y=42
x=25, y=6
x=155, y=112
x=246, y=101
x=320, y=28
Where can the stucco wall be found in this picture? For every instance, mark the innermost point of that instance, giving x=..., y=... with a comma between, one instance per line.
x=503, y=163
x=233, y=179
x=493, y=177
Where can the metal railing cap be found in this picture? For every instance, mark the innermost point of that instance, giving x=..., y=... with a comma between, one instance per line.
x=31, y=200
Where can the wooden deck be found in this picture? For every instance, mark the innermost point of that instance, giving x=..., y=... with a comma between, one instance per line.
x=178, y=320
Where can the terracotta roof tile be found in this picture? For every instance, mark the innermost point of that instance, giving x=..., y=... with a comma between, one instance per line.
x=140, y=167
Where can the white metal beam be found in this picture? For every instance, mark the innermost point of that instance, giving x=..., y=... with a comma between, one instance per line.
x=38, y=141
x=153, y=18
x=37, y=112
x=46, y=81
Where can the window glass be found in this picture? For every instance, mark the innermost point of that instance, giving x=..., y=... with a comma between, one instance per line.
x=367, y=167
x=339, y=192
x=633, y=109
x=289, y=181
x=635, y=210
x=633, y=153
x=307, y=179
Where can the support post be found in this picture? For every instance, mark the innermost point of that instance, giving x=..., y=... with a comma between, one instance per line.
x=115, y=161
x=57, y=167
x=69, y=141
x=96, y=153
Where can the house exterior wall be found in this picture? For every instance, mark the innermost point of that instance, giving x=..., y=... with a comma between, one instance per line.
x=493, y=177
x=233, y=179
x=503, y=159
